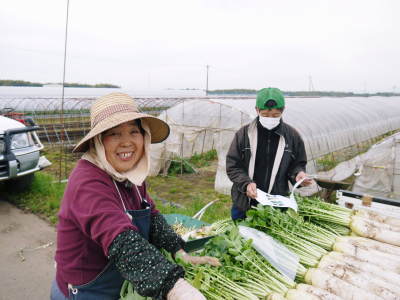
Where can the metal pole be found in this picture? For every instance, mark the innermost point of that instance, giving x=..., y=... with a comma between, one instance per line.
x=62, y=97
x=207, y=66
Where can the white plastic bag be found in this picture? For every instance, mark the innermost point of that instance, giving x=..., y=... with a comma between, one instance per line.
x=284, y=260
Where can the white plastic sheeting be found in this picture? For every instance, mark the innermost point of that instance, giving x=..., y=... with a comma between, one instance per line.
x=377, y=172
x=198, y=126
x=380, y=170
x=326, y=125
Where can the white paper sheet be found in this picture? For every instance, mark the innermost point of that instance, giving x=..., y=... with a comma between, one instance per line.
x=275, y=200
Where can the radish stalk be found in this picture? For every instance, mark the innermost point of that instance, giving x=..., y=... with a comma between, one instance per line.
x=214, y=284
x=337, y=229
x=314, y=208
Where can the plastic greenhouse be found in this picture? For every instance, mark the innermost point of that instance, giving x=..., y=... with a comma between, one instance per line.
x=377, y=172
x=326, y=125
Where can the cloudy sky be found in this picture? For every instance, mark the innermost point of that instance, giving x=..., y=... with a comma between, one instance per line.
x=341, y=45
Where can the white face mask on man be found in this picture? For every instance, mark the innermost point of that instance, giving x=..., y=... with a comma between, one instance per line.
x=269, y=123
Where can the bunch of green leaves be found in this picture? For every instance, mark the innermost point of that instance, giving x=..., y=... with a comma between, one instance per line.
x=313, y=208
x=268, y=217
x=304, y=239
x=243, y=263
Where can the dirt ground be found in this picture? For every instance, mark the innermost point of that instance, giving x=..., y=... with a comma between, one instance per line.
x=27, y=245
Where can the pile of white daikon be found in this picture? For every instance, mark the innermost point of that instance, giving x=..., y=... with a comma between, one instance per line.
x=343, y=254
x=363, y=265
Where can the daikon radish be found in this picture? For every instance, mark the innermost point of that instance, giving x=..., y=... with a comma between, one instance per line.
x=339, y=287
x=351, y=261
x=361, y=279
x=368, y=255
x=300, y=295
x=372, y=215
x=377, y=224
x=358, y=248
x=353, y=234
x=313, y=290
x=275, y=296
x=373, y=244
x=366, y=229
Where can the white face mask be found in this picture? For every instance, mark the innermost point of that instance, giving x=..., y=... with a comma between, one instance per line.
x=269, y=123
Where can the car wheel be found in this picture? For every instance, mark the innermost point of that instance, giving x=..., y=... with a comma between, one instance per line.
x=21, y=184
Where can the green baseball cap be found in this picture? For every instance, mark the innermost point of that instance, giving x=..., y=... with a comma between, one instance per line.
x=269, y=98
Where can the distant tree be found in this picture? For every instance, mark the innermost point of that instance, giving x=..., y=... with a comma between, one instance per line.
x=8, y=82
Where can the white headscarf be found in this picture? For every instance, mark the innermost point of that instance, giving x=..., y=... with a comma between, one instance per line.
x=97, y=155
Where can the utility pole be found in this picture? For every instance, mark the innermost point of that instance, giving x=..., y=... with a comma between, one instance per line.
x=310, y=84
x=62, y=155
x=207, y=66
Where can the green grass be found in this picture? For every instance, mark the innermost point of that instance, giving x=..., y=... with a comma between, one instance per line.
x=204, y=159
x=180, y=166
x=190, y=165
x=326, y=163
x=193, y=192
x=42, y=199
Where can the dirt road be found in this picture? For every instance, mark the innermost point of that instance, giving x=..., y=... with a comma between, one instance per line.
x=27, y=246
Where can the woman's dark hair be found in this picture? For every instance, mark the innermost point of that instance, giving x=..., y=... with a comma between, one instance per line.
x=139, y=124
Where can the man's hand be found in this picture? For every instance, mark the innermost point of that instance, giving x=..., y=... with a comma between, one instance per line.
x=300, y=176
x=251, y=191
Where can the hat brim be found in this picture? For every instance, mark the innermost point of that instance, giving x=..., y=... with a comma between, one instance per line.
x=159, y=129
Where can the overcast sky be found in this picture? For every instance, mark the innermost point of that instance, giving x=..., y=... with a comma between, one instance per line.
x=342, y=44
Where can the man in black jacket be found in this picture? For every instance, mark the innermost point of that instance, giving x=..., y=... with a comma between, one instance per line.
x=265, y=155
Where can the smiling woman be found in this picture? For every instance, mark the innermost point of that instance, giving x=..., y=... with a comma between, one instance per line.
x=124, y=145
x=109, y=229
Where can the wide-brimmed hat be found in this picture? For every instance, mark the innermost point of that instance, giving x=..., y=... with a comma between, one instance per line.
x=114, y=109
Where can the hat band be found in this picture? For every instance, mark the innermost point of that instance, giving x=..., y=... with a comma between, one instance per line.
x=108, y=111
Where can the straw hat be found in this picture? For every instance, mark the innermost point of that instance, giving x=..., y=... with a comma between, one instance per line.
x=114, y=109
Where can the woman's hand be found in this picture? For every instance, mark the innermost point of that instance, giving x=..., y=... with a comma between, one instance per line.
x=197, y=260
x=183, y=290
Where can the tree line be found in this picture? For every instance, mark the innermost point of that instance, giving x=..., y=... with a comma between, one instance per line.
x=8, y=82
x=303, y=93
